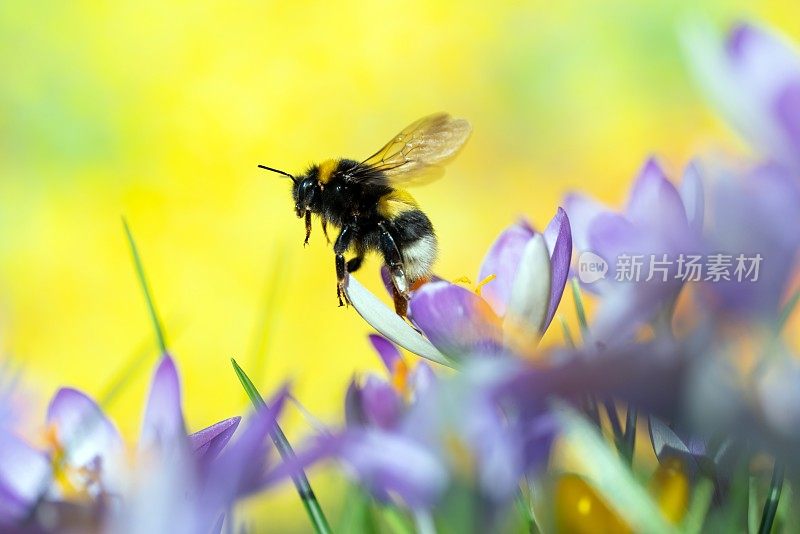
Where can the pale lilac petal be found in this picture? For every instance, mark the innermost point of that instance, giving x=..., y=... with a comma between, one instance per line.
x=392, y=464
x=612, y=235
x=502, y=261
x=388, y=324
x=582, y=211
x=558, y=237
x=381, y=404
x=750, y=79
x=163, y=423
x=530, y=294
x=24, y=475
x=654, y=201
x=457, y=321
x=787, y=110
x=388, y=352
x=422, y=378
x=209, y=442
x=693, y=196
x=83, y=430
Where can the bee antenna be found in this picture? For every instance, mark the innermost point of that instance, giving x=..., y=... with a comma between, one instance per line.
x=278, y=171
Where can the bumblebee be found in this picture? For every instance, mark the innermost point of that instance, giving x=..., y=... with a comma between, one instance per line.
x=367, y=202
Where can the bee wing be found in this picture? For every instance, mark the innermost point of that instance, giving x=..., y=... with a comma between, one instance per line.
x=418, y=152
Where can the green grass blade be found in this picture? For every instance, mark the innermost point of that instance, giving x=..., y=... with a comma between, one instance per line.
x=568, y=339
x=300, y=480
x=702, y=494
x=773, y=497
x=579, y=308
x=151, y=307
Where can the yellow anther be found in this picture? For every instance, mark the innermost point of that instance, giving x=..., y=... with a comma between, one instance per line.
x=400, y=377
x=483, y=283
x=463, y=280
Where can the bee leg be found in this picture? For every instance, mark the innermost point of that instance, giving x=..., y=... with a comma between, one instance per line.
x=394, y=260
x=325, y=232
x=342, y=244
x=308, y=227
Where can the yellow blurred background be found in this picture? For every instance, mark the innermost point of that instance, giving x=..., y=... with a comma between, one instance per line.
x=160, y=111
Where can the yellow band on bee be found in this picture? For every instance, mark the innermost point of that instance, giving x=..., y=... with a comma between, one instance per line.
x=393, y=204
x=326, y=169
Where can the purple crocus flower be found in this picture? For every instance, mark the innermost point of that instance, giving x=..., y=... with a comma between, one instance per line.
x=177, y=481
x=379, y=402
x=753, y=78
x=753, y=219
x=640, y=248
x=523, y=277
x=442, y=432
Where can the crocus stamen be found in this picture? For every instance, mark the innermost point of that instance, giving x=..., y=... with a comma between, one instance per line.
x=465, y=280
x=400, y=377
x=483, y=282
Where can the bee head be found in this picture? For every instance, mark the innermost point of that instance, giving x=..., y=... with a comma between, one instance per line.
x=307, y=194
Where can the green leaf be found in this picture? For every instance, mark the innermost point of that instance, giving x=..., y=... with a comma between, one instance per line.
x=301, y=483
x=577, y=298
x=151, y=307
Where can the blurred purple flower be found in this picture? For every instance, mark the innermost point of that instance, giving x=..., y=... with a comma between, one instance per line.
x=753, y=217
x=753, y=78
x=523, y=277
x=175, y=479
x=442, y=431
x=658, y=224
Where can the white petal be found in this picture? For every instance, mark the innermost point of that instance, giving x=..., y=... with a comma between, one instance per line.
x=530, y=293
x=389, y=324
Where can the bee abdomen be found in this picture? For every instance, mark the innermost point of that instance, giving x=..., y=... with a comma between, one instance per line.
x=417, y=243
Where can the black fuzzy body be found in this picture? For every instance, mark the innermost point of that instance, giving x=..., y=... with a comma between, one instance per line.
x=371, y=216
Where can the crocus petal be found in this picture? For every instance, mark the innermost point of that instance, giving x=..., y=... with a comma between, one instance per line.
x=753, y=79
x=502, y=261
x=613, y=235
x=82, y=429
x=654, y=200
x=381, y=404
x=530, y=293
x=392, y=464
x=558, y=237
x=582, y=211
x=163, y=418
x=422, y=378
x=388, y=352
x=389, y=324
x=208, y=442
x=457, y=321
x=24, y=475
x=241, y=467
x=693, y=196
